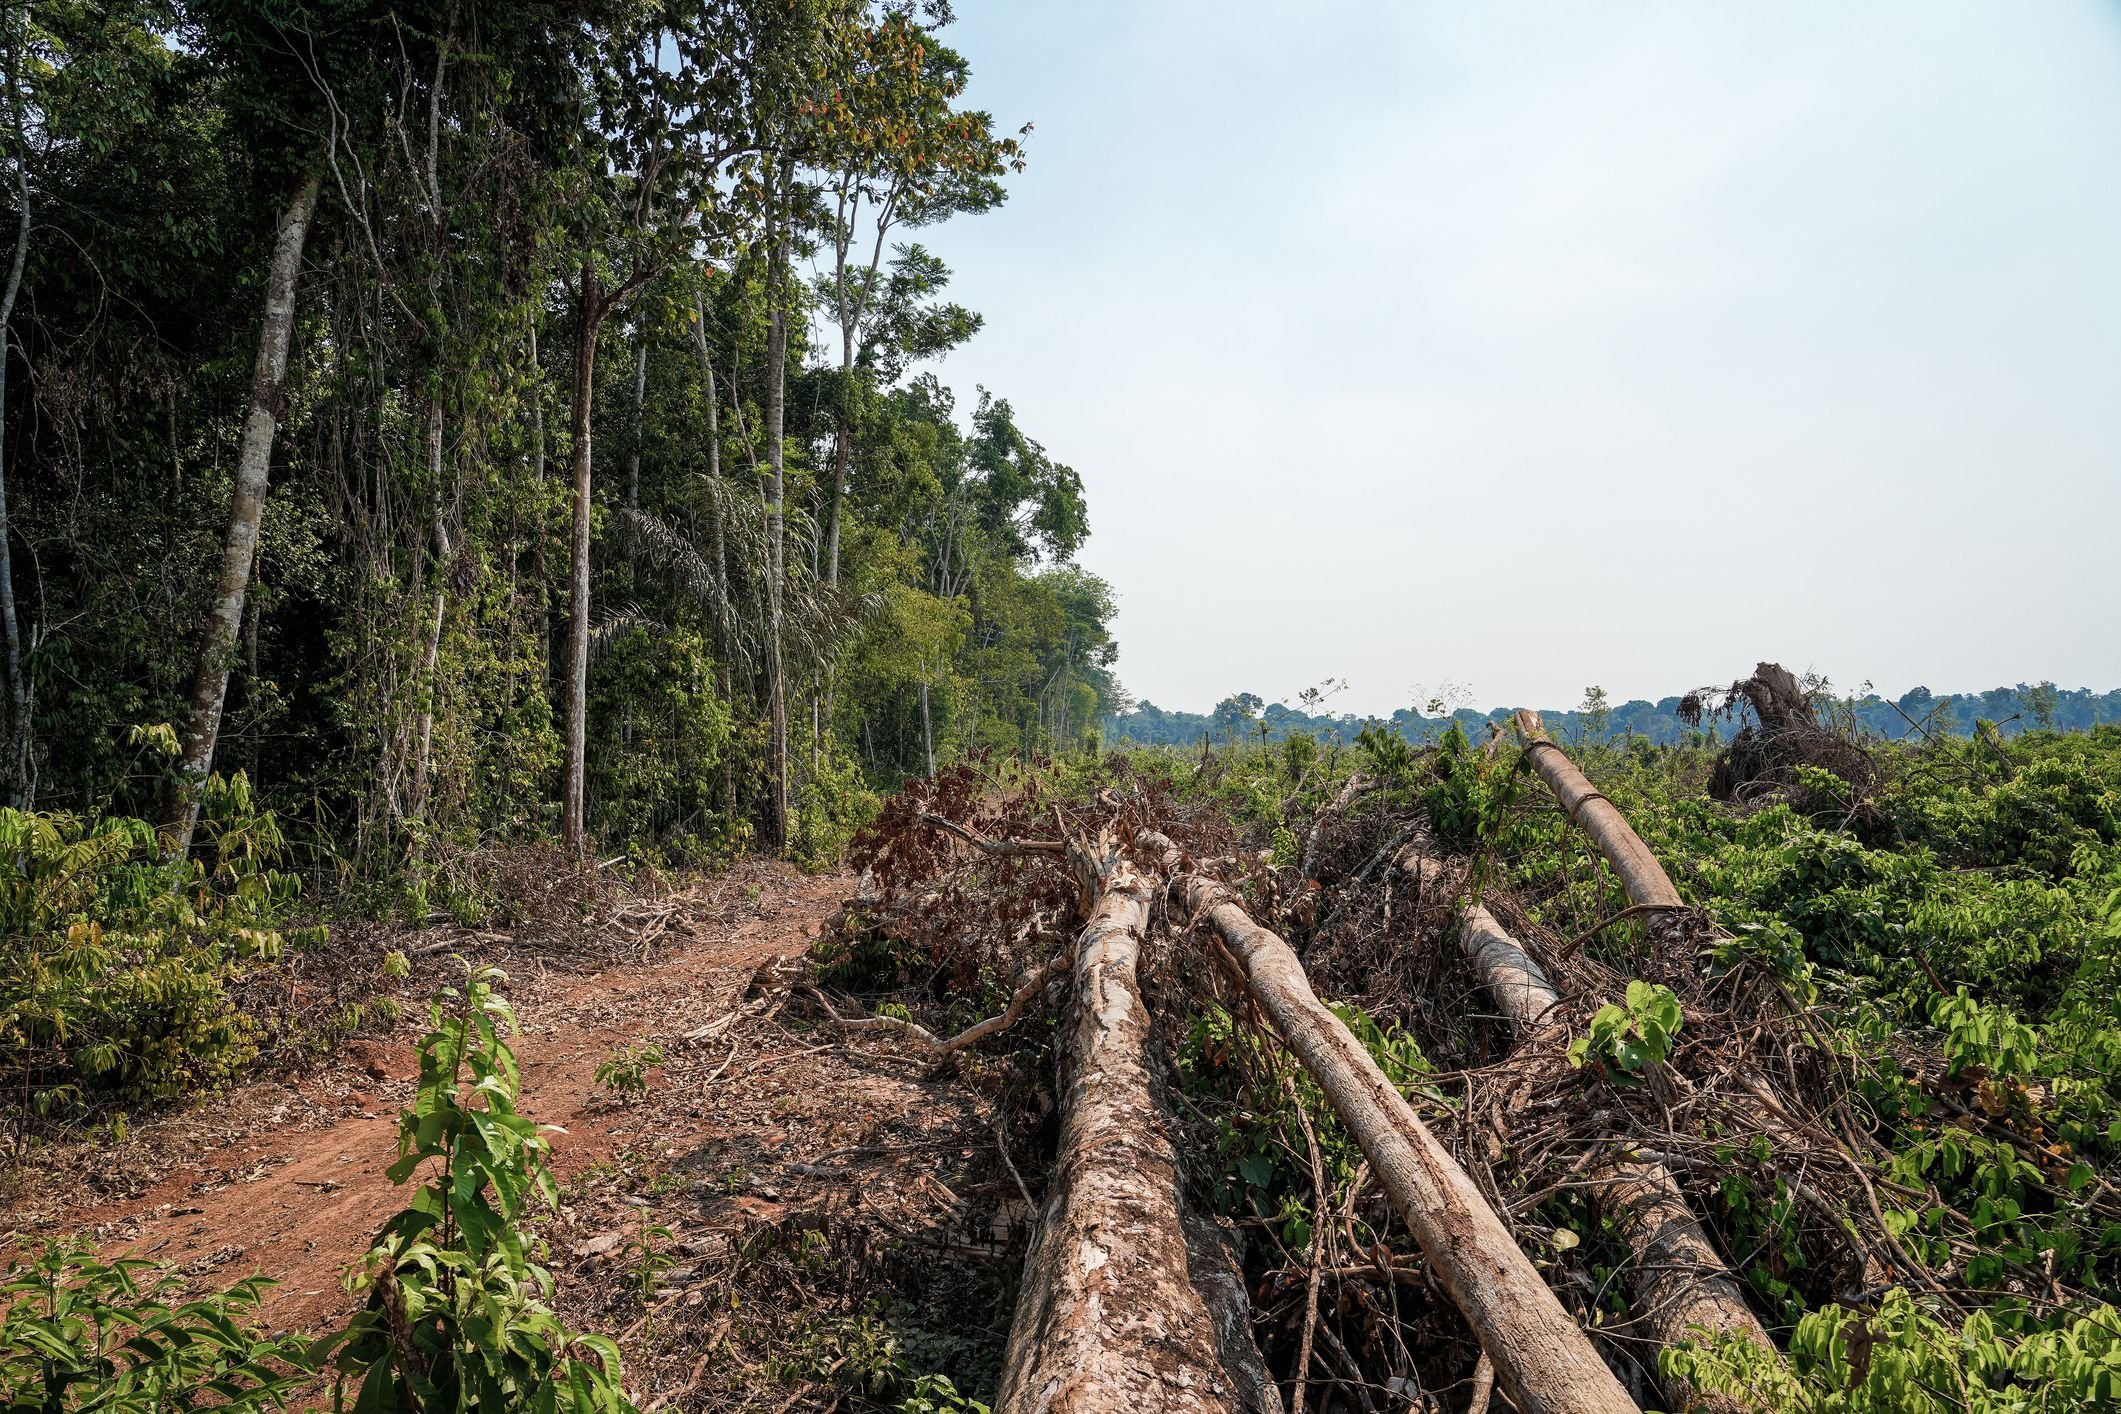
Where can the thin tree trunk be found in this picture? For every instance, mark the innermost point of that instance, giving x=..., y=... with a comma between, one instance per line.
x=927, y=726
x=1648, y=887
x=430, y=661
x=725, y=618
x=776, y=505
x=246, y=508
x=640, y=398
x=590, y=317
x=839, y=498
x=1543, y=1360
x=537, y=406
x=21, y=790
x=1108, y=1317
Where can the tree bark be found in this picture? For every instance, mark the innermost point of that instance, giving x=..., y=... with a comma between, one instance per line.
x=1108, y=1317
x=1644, y=879
x=640, y=398
x=776, y=506
x=927, y=724
x=724, y=616
x=21, y=789
x=431, y=659
x=1544, y=1362
x=1678, y=1282
x=246, y=508
x=589, y=320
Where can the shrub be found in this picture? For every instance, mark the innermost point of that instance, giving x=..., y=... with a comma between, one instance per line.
x=77, y=1333
x=458, y=1316
x=115, y=963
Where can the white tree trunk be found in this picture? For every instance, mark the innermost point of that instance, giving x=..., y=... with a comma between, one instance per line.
x=246, y=508
x=21, y=787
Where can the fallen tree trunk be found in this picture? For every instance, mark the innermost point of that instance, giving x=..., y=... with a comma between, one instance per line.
x=1110, y=1316
x=1680, y=1285
x=1543, y=1360
x=1648, y=886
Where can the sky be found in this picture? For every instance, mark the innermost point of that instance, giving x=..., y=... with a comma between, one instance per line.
x=1497, y=350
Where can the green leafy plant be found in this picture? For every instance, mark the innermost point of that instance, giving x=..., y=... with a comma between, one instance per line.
x=116, y=964
x=1900, y=1359
x=935, y=1394
x=79, y=1333
x=650, y=1258
x=458, y=1317
x=1628, y=1039
x=623, y=1073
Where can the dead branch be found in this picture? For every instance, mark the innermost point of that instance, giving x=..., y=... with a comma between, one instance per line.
x=990, y=846
x=1357, y=785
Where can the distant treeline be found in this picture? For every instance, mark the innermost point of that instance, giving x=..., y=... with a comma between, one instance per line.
x=2026, y=707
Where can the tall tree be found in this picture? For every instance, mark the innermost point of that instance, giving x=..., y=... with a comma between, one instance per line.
x=21, y=785
x=246, y=507
x=903, y=156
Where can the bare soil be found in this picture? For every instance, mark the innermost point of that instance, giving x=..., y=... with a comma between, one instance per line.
x=786, y=1221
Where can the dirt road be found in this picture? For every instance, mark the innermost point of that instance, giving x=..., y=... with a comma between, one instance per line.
x=287, y=1178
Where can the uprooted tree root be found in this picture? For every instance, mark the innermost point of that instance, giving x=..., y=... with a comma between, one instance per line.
x=1769, y=756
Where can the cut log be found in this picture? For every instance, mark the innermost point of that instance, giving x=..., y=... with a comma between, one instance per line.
x=1647, y=885
x=1680, y=1286
x=1543, y=1360
x=1109, y=1316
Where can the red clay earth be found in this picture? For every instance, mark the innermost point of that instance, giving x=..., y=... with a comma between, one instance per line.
x=287, y=1178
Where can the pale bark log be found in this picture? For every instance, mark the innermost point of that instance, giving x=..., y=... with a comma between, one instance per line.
x=1543, y=1360
x=1647, y=885
x=1680, y=1288
x=246, y=508
x=1108, y=1318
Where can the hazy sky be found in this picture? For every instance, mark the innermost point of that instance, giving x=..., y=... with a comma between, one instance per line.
x=1528, y=346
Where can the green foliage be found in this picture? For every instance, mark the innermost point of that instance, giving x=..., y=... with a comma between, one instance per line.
x=1472, y=791
x=458, y=1316
x=1901, y=1359
x=80, y=1333
x=656, y=764
x=397, y=692
x=1627, y=1039
x=834, y=808
x=935, y=1394
x=1391, y=758
x=623, y=1072
x=115, y=963
x=1986, y=1036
